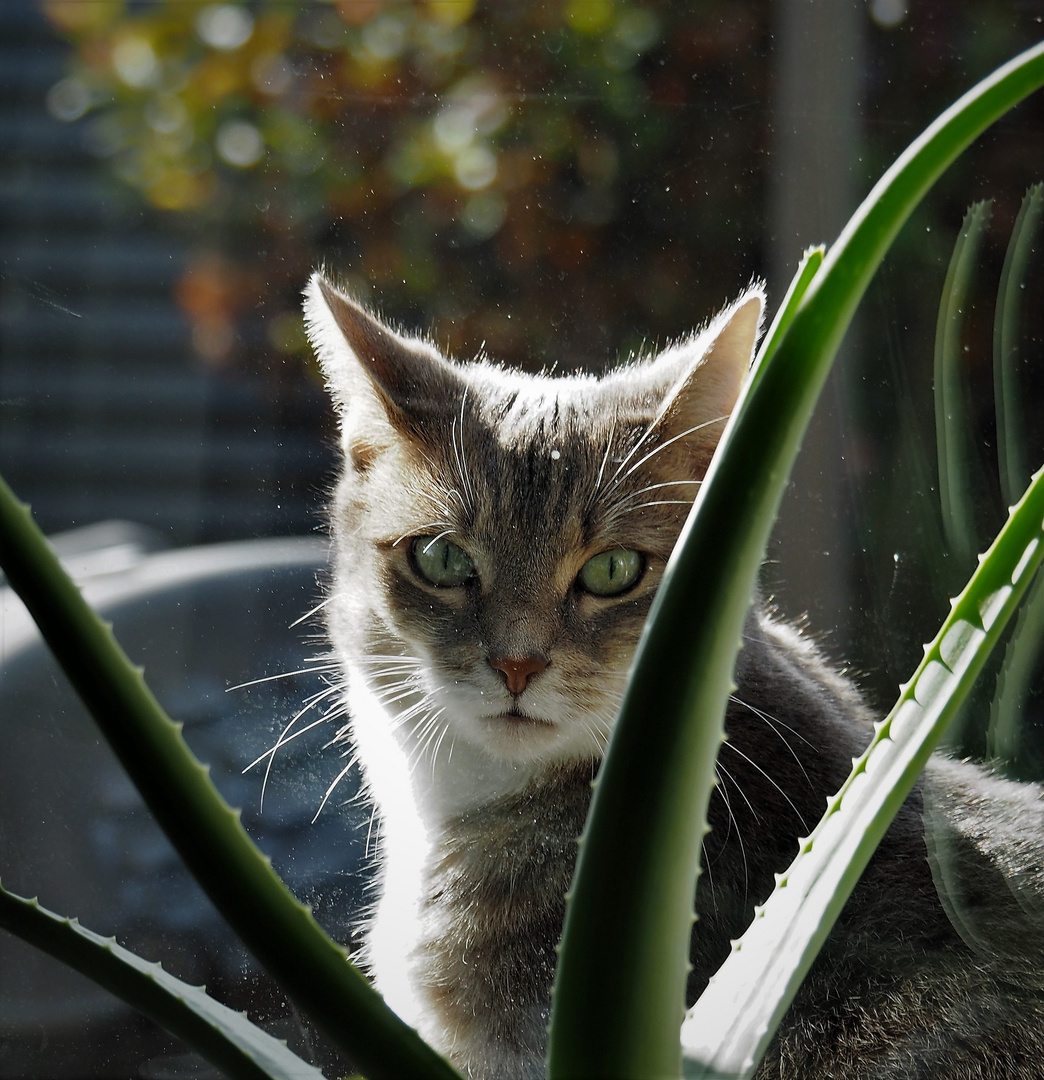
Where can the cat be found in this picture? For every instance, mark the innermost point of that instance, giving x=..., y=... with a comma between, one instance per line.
x=499, y=537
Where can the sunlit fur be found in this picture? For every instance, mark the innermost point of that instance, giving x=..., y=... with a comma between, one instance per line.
x=479, y=793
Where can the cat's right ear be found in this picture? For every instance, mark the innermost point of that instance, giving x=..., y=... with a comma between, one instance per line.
x=380, y=381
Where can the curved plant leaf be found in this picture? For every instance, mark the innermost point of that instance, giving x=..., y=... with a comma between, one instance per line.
x=623, y=963
x=1023, y=650
x=1010, y=440
x=277, y=928
x=227, y=1039
x=727, y=1031
x=807, y=269
x=1003, y=736
x=957, y=447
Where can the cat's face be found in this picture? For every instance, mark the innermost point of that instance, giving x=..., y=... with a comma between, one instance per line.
x=501, y=536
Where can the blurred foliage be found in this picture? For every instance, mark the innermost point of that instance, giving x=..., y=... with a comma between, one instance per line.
x=554, y=182
x=460, y=161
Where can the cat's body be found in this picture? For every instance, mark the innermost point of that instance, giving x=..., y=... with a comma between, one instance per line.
x=499, y=539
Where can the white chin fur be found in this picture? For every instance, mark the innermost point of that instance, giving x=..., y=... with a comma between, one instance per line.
x=484, y=755
x=547, y=730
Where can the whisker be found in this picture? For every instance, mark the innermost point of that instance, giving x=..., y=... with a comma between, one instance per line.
x=772, y=722
x=705, y=862
x=282, y=675
x=435, y=539
x=755, y=765
x=457, y=432
x=627, y=457
x=733, y=820
x=285, y=737
x=653, y=487
x=655, y=502
x=370, y=657
x=605, y=457
x=420, y=529
x=438, y=744
x=330, y=790
x=674, y=439
x=308, y=614
x=742, y=793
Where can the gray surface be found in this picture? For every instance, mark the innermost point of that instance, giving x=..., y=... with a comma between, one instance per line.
x=74, y=831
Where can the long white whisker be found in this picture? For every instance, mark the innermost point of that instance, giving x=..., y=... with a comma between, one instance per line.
x=655, y=502
x=457, y=432
x=630, y=454
x=742, y=793
x=438, y=744
x=605, y=458
x=435, y=539
x=653, y=487
x=705, y=862
x=674, y=439
x=753, y=763
x=771, y=722
x=329, y=791
x=331, y=666
x=420, y=529
x=369, y=658
x=284, y=739
x=733, y=820
x=308, y=614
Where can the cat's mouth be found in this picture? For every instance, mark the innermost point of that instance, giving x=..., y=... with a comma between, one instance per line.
x=516, y=716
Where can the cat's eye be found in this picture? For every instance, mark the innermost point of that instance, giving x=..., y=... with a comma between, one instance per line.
x=441, y=562
x=611, y=573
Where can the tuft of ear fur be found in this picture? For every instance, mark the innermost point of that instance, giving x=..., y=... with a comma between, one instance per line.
x=708, y=372
x=382, y=382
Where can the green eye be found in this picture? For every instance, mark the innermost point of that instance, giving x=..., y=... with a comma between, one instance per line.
x=442, y=563
x=612, y=572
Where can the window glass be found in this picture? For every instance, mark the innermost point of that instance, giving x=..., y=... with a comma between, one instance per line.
x=555, y=185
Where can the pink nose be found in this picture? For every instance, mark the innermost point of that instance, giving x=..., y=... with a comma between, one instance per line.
x=517, y=669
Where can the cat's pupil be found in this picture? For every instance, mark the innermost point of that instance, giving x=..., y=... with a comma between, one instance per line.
x=611, y=573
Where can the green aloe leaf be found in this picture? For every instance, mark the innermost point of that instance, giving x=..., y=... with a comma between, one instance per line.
x=623, y=963
x=807, y=269
x=1003, y=736
x=227, y=1039
x=1021, y=657
x=1011, y=442
x=957, y=446
x=727, y=1031
x=277, y=928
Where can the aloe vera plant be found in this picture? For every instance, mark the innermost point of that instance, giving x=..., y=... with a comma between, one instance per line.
x=682, y=676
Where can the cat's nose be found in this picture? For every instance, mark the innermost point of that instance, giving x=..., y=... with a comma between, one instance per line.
x=516, y=670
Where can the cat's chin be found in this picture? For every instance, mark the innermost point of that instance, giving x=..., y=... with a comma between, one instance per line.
x=522, y=738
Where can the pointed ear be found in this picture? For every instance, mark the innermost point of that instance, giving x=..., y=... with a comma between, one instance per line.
x=382, y=383
x=711, y=368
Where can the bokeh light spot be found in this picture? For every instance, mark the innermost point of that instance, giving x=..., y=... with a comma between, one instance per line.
x=475, y=167
x=239, y=143
x=69, y=99
x=135, y=61
x=224, y=26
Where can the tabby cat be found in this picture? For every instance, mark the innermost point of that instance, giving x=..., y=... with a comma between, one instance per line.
x=499, y=538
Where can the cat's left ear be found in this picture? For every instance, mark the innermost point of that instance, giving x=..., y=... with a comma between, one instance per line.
x=709, y=370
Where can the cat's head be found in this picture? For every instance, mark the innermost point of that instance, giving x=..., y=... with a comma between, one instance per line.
x=500, y=535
